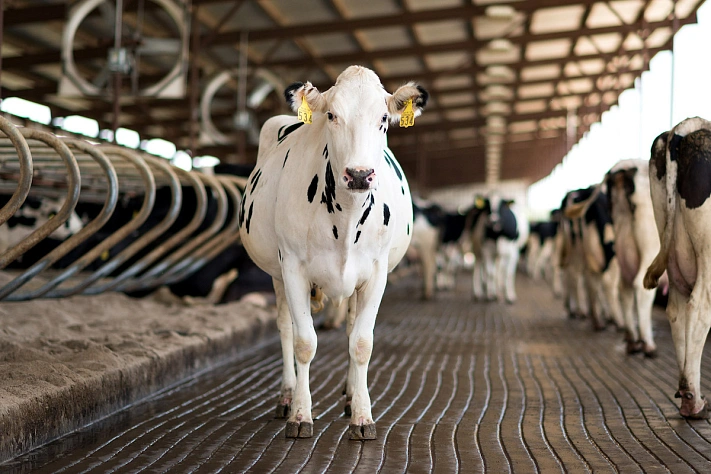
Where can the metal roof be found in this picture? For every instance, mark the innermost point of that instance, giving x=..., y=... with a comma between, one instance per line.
x=513, y=84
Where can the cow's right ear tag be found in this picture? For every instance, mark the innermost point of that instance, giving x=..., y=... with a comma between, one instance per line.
x=304, y=112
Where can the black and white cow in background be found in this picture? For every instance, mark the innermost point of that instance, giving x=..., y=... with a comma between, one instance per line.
x=591, y=218
x=34, y=213
x=636, y=244
x=498, y=232
x=680, y=182
x=540, y=249
x=328, y=209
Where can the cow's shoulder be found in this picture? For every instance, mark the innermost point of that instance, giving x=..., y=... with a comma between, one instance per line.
x=277, y=131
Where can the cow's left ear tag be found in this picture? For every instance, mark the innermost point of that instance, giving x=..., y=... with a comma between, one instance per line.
x=407, y=119
x=304, y=112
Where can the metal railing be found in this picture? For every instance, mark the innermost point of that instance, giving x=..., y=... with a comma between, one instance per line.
x=148, y=250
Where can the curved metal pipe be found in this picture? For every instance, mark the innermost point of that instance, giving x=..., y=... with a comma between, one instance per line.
x=176, y=193
x=72, y=242
x=182, y=257
x=200, y=212
x=73, y=188
x=228, y=236
x=25, y=157
x=113, y=239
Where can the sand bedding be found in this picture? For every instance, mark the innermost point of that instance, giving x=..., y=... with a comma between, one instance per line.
x=65, y=362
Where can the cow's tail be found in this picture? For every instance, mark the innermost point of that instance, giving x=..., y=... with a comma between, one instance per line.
x=659, y=264
x=578, y=210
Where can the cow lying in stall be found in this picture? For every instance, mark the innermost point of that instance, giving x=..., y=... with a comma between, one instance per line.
x=680, y=179
x=34, y=213
x=329, y=208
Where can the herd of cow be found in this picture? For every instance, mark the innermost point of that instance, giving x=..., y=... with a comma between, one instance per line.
x=327, y=214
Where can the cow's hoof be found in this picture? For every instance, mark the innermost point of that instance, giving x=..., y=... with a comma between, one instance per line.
x=347, y=409
x=650, y=354
x=282, y=411
x=634, y=347
x=362, y=432
x=702, y=414
x=296, y=429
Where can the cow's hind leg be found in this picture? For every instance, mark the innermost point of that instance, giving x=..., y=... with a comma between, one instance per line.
x=634, y=345
x=360, y=346
x=691, y=329
x=288, y=379
x=645, y=300
x=298, y=291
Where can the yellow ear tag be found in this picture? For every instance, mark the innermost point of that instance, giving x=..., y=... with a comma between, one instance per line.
x=105, y=255
x=407, y=119
x=304, y=112
x=479, y=203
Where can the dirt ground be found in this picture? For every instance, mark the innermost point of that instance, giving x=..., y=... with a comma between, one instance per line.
x=75, y=350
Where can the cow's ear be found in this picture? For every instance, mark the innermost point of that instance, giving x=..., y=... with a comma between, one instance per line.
x=296, y=92
x=397, y=101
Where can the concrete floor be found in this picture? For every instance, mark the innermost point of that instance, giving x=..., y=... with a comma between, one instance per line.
x=456, y=386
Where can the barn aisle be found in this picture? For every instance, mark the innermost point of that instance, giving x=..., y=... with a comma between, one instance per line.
x=456, y=387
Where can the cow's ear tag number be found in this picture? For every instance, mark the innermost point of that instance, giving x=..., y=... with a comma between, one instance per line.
x=304, y=112
x=407, y=119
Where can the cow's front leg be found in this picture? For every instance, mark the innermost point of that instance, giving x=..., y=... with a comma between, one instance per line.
x=360, y=347
x=490, y=267
x=350, y=378
x=477, y=279
x=298, y=291
x=509, y=283
x=288, y=379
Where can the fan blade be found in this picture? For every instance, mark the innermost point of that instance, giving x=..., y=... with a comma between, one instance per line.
x=159, y=46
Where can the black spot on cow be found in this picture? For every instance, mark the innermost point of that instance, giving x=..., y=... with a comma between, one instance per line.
x=366, y=212
x=335, y=232
x=402, y=190
x=659, y=155
x=287, y=156
x=421, y=100
x=694, y=160
x=673, y=145
x=21, y=220
x=329, y=193
x=391, y=162
x=621, y=179
x=386, y=214
x=279, y=254
x=249, y=216
x=312, y=189
x=286, y=130
x=241, y=211
x=289, y=92
x=255, y=180
x=338, y=207
x=357, y=237
x=408, y=229
x=325, y=151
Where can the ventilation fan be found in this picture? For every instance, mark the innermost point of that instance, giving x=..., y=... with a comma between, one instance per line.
x=162, y=61
x=244, y=117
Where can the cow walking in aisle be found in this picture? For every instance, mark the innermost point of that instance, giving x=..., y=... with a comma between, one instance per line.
x=636, y=244
x=680, y=183
x=497, y=232
x=328, y=209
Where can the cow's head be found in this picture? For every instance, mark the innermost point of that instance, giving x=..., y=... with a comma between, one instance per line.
x=354, y=115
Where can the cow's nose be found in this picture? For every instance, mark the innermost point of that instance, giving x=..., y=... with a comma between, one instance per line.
x=359, y=178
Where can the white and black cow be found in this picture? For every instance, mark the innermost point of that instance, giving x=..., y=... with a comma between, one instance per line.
x=636, y=244
x=601, y=270
x=33, y=214
x=498, y=232
x=680, y=183
x=540, y=249
x=328, y=208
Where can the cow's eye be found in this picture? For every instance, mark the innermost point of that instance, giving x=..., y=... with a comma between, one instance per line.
x=330, y=116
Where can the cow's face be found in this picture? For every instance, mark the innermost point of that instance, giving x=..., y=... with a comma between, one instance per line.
x=355, y=114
